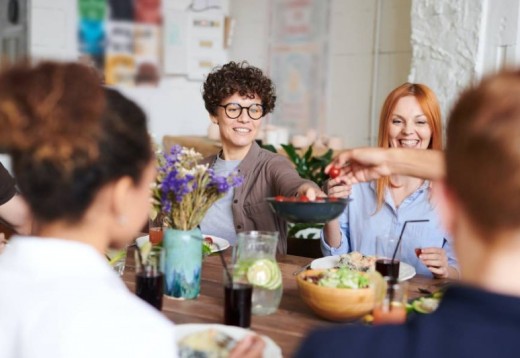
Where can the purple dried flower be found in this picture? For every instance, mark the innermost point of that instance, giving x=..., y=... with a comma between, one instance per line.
x=182, y=186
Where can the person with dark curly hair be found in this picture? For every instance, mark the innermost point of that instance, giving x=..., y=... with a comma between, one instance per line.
x=83, y=159
x=237, y=97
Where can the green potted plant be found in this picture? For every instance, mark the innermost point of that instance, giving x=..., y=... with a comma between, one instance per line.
x=309, y=167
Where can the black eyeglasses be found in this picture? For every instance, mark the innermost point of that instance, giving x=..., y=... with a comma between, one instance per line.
x=234, y=110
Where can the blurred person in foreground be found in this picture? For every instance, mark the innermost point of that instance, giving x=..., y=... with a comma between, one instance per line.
x=237, y=97
x=410, y=118
x=13, y=209
x=479, y=201
x=83, y=159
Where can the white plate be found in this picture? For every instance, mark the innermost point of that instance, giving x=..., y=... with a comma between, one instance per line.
x=222, y=243
x=271, y=349
x=406, y=271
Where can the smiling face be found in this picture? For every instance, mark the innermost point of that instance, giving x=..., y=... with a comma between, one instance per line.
x=408, y=126
x=237, y=134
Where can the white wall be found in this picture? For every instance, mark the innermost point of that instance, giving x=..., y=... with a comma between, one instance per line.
x=500, y=36
x=370, y=55
x=445, y=41
x=354, y=95
x=456, y=42
x=175, y=108
x=53, y=29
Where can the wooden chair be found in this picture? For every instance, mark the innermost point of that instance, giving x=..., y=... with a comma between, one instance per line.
x=201, y=144
x=304, y=247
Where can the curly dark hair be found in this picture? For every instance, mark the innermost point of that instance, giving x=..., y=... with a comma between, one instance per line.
x=241, y=78
x=68, y=136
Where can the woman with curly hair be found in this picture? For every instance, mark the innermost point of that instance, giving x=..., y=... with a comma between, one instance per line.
x=237, y=97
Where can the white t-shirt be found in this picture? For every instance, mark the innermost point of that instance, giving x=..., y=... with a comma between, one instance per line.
x=61, y=298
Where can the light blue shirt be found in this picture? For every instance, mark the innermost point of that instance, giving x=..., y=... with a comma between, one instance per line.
x=360, y=225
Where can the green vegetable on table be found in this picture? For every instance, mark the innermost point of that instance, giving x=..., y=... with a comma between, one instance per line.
x=344, y=278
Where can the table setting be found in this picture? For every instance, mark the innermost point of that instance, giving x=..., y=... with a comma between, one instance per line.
x=216, y=293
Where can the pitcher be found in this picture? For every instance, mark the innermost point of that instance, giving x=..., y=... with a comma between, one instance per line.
x=256, y=255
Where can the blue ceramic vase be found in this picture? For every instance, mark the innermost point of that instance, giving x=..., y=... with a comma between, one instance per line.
x=183, y=263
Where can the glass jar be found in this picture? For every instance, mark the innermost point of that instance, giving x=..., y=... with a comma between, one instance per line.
x=256, y=252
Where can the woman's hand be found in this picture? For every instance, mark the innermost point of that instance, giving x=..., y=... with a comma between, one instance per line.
x=339, y=187
x=370, y=163
x=251, y=346
x=436, y=260
x=310, y=192
x=361, y=164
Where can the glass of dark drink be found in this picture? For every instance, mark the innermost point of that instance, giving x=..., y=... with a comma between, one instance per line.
x=238, y=293
x=387, y=267
x=149, y=275
x=388, y=255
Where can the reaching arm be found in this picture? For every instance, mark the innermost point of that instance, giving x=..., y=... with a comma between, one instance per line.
x=370, y=163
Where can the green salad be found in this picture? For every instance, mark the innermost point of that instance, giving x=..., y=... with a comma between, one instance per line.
x=341, y=278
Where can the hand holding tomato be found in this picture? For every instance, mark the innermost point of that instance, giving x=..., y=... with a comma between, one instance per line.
x=334, y=172
x=340, y=187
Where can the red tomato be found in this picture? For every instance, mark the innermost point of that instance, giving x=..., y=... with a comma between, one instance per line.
x=208, y=239
x=279, y=198
x=304, y=198
x=334, y=172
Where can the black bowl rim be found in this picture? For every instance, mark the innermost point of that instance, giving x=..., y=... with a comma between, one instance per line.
x=326, y=200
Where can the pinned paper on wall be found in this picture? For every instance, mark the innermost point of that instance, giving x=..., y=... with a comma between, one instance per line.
x=119, y=58
x=298, y=62
x=91, y=31
x=203, y=5
x=123, y=39
x=194, y=42
x=206, y=50
x=175, y=58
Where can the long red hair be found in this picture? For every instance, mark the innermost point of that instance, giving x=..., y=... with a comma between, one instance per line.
x=431, y=109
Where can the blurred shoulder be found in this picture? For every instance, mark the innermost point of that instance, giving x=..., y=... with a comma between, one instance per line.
x=354, y=341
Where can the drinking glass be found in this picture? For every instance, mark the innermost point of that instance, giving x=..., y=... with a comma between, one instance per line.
x=391, y=309
x=386, y=263
x=256, y=253
x=149, y=276
x=156, y=230
x=238, y=293
x=117, y=259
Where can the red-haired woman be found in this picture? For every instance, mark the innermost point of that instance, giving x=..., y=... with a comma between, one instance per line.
x=410, y=118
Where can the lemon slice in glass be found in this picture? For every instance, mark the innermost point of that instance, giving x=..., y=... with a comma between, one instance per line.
x=264, y=273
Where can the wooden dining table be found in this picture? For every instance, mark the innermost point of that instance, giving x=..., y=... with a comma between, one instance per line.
x=286, y=327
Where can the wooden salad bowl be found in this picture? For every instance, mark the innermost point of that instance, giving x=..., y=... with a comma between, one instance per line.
x=335, y=304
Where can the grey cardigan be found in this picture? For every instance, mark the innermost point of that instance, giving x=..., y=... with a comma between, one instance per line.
x=266, y=174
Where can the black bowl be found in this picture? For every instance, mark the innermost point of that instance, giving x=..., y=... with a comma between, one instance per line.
x=309, y=212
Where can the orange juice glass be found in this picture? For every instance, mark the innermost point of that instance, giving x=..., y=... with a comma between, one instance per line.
x=392, y=308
